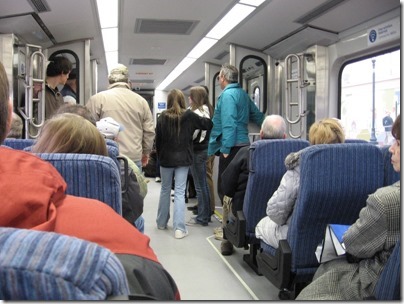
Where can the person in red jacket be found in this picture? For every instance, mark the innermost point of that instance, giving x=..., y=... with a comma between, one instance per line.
x=34, y=197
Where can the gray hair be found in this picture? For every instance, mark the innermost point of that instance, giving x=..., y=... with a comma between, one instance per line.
x=229, y=72
x=273, y=127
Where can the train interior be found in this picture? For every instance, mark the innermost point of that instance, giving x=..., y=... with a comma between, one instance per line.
x=302, y=59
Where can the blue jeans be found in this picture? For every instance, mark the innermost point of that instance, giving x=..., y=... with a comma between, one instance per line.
x=163, y=213
x=198, y=170
x=139, y=224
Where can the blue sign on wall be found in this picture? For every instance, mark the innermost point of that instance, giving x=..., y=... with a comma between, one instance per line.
x=161, y=105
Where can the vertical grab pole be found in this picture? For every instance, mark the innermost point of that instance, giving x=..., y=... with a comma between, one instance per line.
x=289, y=82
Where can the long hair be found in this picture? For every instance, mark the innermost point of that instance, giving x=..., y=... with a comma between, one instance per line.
x=326, y=131
x=199, y=99
x=4, y=100
x=70, y=133
x=175, y=108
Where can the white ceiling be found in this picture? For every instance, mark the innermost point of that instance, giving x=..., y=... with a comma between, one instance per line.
x=272, y=22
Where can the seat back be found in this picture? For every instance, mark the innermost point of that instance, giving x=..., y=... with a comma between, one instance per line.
x=266, y=169
x=88, y=175
x=390, y=176
x=335, y=182
x=18, y=143
x=388, y=285
x=355, y=141
x=38, y=265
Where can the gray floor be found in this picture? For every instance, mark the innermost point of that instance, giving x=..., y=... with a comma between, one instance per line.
x=196, y=264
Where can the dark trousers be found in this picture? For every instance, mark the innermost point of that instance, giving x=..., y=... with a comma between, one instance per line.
x=223, y=163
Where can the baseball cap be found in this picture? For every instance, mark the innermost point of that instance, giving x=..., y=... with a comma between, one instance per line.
x=109, y=127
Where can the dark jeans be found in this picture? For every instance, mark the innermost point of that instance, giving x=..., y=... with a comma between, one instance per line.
x=198, y=170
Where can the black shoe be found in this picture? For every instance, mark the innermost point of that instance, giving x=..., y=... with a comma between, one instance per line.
x=191, y=208
x=195, y=212
x=226, y=248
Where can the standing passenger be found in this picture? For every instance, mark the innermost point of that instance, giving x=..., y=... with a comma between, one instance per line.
x=57, y=73
x=174, y=131
x=197, y=99
x=69, y=91
x=233, y=112
x=34, y=197
x=131, y=110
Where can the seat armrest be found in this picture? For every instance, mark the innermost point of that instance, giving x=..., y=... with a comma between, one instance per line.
x=277, y=268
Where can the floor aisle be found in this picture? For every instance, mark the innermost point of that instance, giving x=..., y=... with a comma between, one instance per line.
x=196, y=264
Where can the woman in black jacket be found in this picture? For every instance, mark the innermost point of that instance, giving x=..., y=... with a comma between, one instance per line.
x=174, y=131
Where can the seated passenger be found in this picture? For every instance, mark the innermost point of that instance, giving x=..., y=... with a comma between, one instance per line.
x=235, y=176
x=132, y=199
x=368, y=242
x=274, y=227
x=70, y=133
x=76, y=109
x=34, y=197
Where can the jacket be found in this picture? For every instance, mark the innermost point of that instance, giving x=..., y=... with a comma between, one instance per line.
x=274, y=227
x=201, y=137
x=233, y=112
x=235, y=178
x=173, y=149
x=369, y=242
x=43, y=205
x=131, y=111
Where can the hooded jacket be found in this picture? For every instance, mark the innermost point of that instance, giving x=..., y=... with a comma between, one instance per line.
x=33, y=197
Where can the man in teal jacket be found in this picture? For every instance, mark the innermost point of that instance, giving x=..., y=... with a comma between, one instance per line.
x=233, y=112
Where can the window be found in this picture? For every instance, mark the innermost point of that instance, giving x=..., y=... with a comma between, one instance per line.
x=362, y=111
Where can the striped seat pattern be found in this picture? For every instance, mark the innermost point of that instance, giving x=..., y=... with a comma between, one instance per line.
x=38, y=265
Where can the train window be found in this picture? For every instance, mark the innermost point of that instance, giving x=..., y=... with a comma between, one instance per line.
x=370, y=96
x=253, y=79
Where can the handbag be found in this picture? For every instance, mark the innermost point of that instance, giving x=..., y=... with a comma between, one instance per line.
x=332, y=246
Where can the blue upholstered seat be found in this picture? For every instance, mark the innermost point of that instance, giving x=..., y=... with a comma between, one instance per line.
x=38, y=265
x=266, y=169
x=388, y=287
x=335, y=181
x=390, y=176
x=90, y=176
x=355, y=141
x=18, y=143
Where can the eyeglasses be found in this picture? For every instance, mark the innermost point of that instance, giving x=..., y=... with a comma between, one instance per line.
x=218, y=77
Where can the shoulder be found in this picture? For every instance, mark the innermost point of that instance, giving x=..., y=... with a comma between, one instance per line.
x=292, y=160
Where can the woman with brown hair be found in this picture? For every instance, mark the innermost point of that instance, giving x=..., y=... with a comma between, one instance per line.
x=174, y=131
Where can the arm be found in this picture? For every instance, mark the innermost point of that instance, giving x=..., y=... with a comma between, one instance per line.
x=229, y=123
x=368, y=234
x=148, y=134
x=255, y=114
x=281, y=204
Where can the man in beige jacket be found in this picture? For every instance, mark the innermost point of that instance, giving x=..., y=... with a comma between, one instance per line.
x=130, y=110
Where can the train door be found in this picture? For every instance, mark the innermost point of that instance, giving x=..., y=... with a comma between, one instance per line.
x=25, y=65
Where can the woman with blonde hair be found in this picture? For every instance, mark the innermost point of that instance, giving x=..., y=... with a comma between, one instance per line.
x=274, y=227
x=174, y=131
x=70, y=133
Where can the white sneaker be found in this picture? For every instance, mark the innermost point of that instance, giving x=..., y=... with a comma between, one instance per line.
x=179, y=234
x=158, y=179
